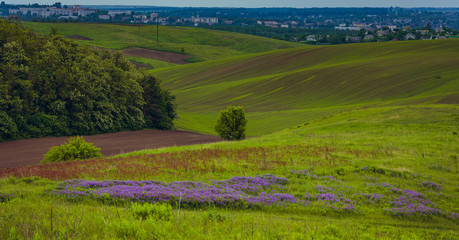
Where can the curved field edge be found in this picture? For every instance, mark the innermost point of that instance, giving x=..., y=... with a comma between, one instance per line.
x=363, y=149
x=283, y=88
x=201, y=44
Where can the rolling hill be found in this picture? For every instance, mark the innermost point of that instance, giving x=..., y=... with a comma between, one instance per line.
x=368, y=150
x=287, y=87
x=200, y=44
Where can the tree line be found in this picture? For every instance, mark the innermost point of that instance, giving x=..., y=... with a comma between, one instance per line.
x=51, y=86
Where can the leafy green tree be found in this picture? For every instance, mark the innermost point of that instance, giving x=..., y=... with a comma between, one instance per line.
x=231, y=123
x=8, y=128
x=51, y=86
x=76, y=148
x=159, y=109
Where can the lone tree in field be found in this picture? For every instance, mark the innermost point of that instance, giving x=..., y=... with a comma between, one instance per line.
x=231, y=123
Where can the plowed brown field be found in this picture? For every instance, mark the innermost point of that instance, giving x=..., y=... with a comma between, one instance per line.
x=30, y=151
x=170, y=57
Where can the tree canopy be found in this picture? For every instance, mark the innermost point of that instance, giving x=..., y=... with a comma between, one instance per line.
x=231, y=123
x=51, y=86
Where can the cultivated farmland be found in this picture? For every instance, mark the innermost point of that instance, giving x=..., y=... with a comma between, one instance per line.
x=289, y=87
x=348, y=142
x=200, y=44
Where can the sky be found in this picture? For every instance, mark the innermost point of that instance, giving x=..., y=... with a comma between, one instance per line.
x=255, y=3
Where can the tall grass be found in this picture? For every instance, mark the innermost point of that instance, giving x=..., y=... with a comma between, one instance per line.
x=373, y=157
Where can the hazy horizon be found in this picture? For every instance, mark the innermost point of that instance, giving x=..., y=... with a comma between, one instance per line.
x=257, y=3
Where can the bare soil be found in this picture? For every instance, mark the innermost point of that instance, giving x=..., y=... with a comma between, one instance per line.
x=176, y=58
x=140, y=65
x=78, y=37
x=30, y=151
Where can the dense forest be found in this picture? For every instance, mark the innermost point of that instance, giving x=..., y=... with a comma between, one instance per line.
x=51, y=86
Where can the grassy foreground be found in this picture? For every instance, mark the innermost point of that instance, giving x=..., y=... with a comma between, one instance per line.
x=283, y=88
x=397, y=167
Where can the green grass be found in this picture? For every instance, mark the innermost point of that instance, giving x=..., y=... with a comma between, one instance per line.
x=154, y=64
x=412, y=144
x=283, y=88
x=365, y=114
x=200, y=44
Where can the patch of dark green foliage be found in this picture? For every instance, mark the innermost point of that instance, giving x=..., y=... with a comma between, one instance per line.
x=157, y=211
x=51, y=86
x=5, y=197
x=388, y=172
x=231, y=123
x=76, y=148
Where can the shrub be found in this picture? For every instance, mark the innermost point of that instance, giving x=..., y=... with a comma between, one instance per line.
x=158, y=211
x=231, y=123
x=76, y=148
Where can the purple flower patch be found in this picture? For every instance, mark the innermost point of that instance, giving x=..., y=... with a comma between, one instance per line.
x=312, y=175
x=431, y=185
x=412, y=203
x=236, y=192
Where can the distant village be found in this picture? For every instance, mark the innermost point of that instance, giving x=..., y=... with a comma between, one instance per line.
x=353, y=25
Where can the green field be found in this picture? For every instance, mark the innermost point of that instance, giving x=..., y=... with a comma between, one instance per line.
x=383, y=152
x=200, y=44
x=283, y=88
x=361, y=141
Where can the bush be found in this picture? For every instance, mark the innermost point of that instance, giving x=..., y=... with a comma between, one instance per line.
x=76, y=148
x=158, y=211
x=231, y=123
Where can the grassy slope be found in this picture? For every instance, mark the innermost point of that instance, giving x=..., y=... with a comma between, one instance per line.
x=283, y=88
x=420, y=142
x=201, y=44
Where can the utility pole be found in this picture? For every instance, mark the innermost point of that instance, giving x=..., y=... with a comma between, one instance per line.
x=39, y=13
x=157, y=28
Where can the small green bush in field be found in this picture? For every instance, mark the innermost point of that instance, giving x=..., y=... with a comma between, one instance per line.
x=158, y=211
x=76, y=148
x=231, y=123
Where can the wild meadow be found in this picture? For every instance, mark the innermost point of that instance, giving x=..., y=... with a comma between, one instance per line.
x=370, y=173
x=355, y=141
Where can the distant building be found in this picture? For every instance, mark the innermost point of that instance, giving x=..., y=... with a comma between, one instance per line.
x=348, y=28
x=207, y=20
x=423, y=31
x=368, y=37
x=381, y=33
x=53, y=11
x=360, y=25
x=271, y=23
x=410, y=36
x=68, y=17
x=228, y=22
x=104, y=17
x=354, y=39
x=284, y=26
x=114, y=13
x=311, y=38
x=142, y=17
